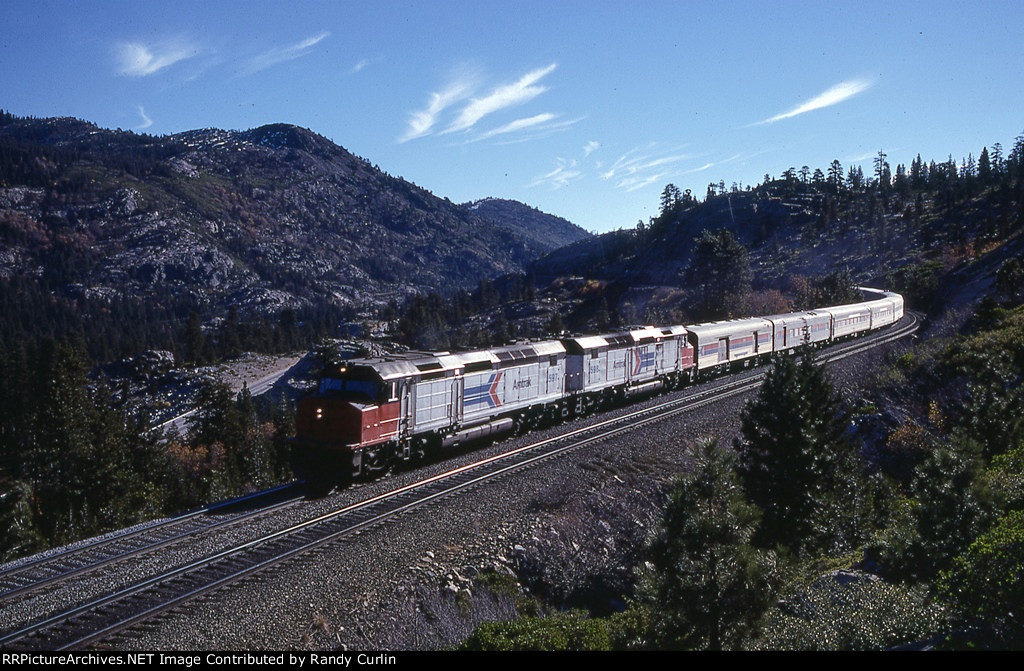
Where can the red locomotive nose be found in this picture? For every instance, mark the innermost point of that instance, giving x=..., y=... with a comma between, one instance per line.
x=339, y=423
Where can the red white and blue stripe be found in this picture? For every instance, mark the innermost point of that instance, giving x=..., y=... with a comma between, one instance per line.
x=642, y=360
x=485, y=394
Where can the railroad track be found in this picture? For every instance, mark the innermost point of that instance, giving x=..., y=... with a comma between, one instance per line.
x=49, y=570
x=91, y=623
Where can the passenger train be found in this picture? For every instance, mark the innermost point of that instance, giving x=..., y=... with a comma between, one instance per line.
x=369, y=414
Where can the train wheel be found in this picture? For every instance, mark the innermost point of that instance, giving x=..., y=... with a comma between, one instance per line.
x=523, y=425
x=376, y=463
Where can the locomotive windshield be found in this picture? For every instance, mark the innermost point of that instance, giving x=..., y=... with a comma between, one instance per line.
x=369, y=388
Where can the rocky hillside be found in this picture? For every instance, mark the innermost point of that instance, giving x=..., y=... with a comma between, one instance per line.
x=907, y=233
x=940, y=233
x=529, y=223
x=258, y=220
x=782, y=229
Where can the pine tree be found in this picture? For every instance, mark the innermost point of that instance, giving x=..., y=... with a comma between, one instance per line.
x=835, y=175
x=918, y=173
x=195, y=342
x=952, y=506
x=59, y=461
x=984, y=167
x=230, y=335
x=671, y=199
x=283, y=420
x=987, y=581
x=709, y=586
x=797, y=462
x=720, y=273
x=18, y=535
x=881, y=167
x=997, y=159
x=217, y=430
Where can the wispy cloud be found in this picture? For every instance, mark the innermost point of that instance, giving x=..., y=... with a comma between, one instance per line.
x=566, y=171
x=861, y=157
x=278, y=55
x=522, y=90
x=590, y=147
x=723, y=161
x=706, y=166
x=642, y=166
x=462, y=91
x=833, y=96
x=517, y=125
x=423, y=121
x=361, y=65
x=136, y=59
x=531, y=132
x=146, y=121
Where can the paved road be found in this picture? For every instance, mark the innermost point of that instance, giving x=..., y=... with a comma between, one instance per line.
x=256, y=387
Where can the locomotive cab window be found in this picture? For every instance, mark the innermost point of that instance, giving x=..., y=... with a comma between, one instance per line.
x=368, y=388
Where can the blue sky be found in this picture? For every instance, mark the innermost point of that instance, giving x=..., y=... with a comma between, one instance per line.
x=583, y=109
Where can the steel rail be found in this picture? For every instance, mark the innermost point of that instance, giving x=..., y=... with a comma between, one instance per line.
x=52, y=569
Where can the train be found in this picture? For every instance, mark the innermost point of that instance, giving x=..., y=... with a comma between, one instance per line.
x=370, y=414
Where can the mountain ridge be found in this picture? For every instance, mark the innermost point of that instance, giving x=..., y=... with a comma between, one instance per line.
x=262, y=219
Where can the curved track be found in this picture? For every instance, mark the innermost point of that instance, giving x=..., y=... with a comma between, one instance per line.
x=92, y=622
